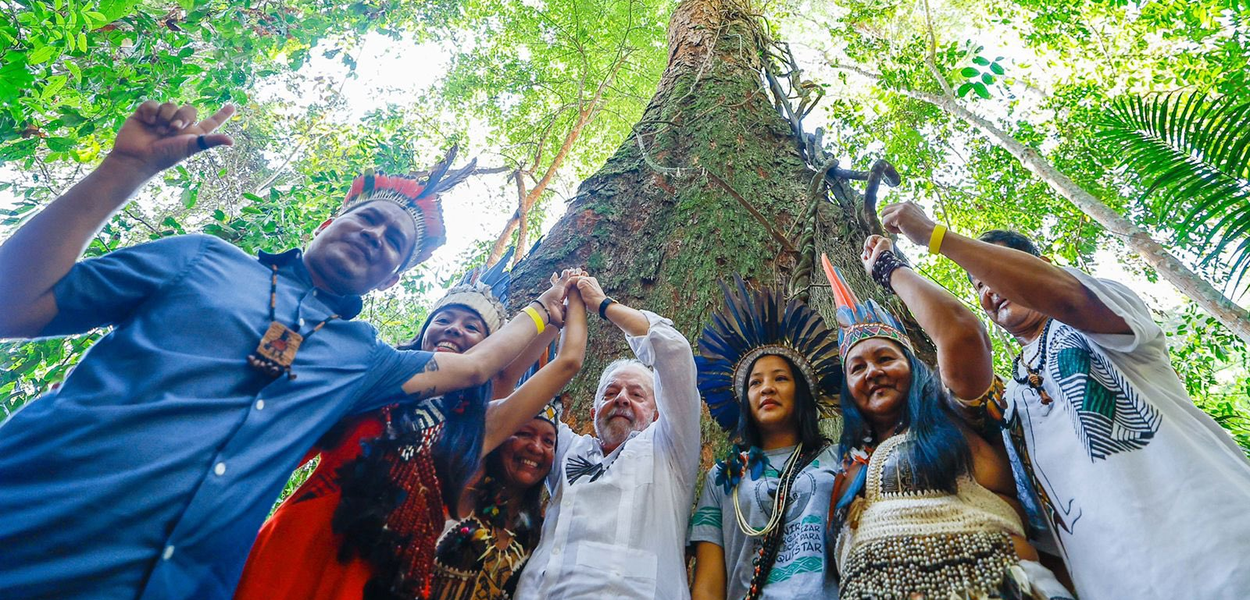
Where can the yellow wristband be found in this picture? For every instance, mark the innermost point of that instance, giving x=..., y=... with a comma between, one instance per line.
x=538, y=321
x=935, y=240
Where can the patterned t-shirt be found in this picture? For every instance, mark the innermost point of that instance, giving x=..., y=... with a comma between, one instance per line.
x=804, y=567
x=1146, y=494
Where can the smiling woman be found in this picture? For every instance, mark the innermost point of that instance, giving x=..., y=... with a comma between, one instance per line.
x=924, y=506
x=769, y=389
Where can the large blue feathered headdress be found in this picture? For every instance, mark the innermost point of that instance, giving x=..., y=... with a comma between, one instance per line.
x=756, y=324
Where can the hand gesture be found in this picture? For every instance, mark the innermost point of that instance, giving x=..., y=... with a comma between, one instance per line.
x=553, y=298
x=591, y=292
x=908, y=219
x=874, y=247
x=159, y=136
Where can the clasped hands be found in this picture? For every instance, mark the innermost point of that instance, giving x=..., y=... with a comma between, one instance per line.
x=578, y=287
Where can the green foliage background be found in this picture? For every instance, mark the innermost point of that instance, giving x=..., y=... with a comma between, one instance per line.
x=70, y=72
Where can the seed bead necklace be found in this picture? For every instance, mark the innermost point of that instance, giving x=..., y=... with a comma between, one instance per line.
x=276, y=351
x=1033, y=375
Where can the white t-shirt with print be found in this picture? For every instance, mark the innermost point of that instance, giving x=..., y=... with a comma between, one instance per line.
x=1146, y=494
x=804, y=566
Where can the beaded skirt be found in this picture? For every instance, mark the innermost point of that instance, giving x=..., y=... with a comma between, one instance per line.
x=971, y=565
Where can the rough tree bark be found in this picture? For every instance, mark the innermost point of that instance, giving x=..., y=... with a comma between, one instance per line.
x=655, y=227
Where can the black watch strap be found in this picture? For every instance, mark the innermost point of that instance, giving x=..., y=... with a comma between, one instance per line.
x=603, y=307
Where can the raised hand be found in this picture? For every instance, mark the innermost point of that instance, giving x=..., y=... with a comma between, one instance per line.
x=553, y=298
x=159, y=136
x=908, y=219
x=592, y=292
x=874, y=247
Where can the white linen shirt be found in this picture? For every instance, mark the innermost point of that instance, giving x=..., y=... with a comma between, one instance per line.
x=623, y=534
x=1147, y=493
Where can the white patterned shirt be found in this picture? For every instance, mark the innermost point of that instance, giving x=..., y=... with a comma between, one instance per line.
x=616, y=525
x=1145, y=492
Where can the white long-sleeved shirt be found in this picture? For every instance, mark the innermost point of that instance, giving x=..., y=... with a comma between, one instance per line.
x=622, y=535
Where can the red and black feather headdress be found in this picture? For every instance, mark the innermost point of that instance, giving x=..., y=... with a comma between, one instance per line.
x=417, y=194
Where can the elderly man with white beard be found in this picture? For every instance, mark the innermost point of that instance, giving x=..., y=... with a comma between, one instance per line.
x=620, y=500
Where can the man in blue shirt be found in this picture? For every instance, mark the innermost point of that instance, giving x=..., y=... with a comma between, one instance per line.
x=149, y=471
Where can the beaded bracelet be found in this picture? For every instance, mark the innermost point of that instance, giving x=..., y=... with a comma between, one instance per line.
x=884, y=268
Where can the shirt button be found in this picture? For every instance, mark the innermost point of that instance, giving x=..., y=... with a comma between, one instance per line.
x=169, y=552
x=301, y=321
x=220, y=469
x=260, y=405
x=555, y=552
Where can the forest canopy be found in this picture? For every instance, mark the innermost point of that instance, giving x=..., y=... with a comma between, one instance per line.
x=1115, y=133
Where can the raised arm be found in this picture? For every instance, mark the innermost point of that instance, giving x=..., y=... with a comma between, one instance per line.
x=504, y=417
x=41, y=252
x=449, y=372
x=963, y=347
x=660, y=346
x=1014, y=275
x=505, y=381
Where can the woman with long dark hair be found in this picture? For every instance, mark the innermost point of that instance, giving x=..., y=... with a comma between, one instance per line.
x=925, y=507
x=366, y=521
x=480, y=556
x=768, y=372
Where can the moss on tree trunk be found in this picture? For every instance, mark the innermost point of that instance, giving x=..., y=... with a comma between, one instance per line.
x=659, y=233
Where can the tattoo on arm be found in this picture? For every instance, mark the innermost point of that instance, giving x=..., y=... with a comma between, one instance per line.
x=430, y=366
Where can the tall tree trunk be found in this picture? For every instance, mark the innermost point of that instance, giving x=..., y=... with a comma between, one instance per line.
x=655, y=226
x=1189, y=283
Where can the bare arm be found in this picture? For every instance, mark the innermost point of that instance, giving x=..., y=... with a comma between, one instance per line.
x=963, y=347
x=41, y=252
x=504, y=417
x=1016, y=276
x=629, y=320
x=709, y=572
x=505, y=381
x=450, y=372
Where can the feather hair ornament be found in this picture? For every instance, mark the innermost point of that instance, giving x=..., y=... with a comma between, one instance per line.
x=759, y=323
x=484, y=291
x=859, y=321
x=418, y=195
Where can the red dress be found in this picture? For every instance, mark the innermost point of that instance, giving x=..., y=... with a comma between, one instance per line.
x=295, y=556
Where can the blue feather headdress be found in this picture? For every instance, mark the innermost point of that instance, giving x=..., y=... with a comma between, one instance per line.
x=755, y=324
x=859, y=321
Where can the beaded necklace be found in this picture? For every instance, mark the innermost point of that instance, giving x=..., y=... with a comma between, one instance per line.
x=767, y=556
x=276, y=351
x=1033, y=375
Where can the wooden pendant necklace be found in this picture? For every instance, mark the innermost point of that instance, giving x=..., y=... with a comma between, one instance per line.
x=1033, y=375
x=276, y=351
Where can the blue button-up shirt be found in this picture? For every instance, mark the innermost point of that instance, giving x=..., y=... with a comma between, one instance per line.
x=149, y=472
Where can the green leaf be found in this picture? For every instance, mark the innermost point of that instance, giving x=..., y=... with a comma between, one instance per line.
x=987, y=78
x=74, y=70
x=40, y=55
x=54, y=85
x=189, y=197
x=997, y=68
x=61, y=144
x=963, y=90
x=82, y=41
x=969, y=72
x=113, y=10
x=981, y=60
x=981, y=90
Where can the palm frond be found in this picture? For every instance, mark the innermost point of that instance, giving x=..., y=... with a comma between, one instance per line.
x=1191, y=153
